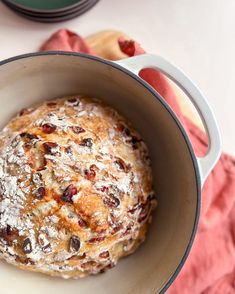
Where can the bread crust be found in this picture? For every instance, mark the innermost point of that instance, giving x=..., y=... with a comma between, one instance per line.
x=75, y=188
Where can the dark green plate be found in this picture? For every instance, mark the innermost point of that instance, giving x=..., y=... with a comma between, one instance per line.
x=49, y=15
x=51, y=6
x=57, y=18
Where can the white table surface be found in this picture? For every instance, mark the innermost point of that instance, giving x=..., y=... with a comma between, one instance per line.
x=197, y=35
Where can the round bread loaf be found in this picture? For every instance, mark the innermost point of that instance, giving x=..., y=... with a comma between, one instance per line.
x=75, y=188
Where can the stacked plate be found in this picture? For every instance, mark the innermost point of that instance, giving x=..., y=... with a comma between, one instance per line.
x=50, y=10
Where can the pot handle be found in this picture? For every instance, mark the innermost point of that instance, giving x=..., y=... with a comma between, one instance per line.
x=136, y=63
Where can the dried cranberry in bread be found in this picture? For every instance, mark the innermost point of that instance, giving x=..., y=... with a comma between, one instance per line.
x=75, y=188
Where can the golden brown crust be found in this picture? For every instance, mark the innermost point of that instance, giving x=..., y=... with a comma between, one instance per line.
x=75, y=188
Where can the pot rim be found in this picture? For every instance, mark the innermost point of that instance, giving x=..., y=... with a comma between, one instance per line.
x=173, y=115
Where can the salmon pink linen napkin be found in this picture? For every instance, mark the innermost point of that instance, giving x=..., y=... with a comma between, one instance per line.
x=210, y=267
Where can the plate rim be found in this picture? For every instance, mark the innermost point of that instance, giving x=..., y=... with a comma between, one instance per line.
x=68, y=7
x=55, y=19
x=48, y=15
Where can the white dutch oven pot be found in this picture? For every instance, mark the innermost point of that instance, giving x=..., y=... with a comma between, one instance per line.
x=178, y=173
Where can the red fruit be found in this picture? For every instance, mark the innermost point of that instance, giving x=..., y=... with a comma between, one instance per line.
x=48, y=128
x=86, y=142
x=48, y=146
x=90, y=174
x=68, y=193
x=96, y=239
x=77, y=130
x=111, y=201
x=40, y=193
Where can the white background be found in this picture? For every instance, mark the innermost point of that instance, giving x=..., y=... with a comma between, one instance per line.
x=197, y=35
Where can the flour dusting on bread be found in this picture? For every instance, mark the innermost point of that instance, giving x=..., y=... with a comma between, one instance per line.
x=75, y=188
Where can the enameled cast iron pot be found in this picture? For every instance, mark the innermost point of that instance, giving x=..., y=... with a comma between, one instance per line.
x=178, y=174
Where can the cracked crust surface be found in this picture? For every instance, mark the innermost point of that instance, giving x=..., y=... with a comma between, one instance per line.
x=75, y=188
